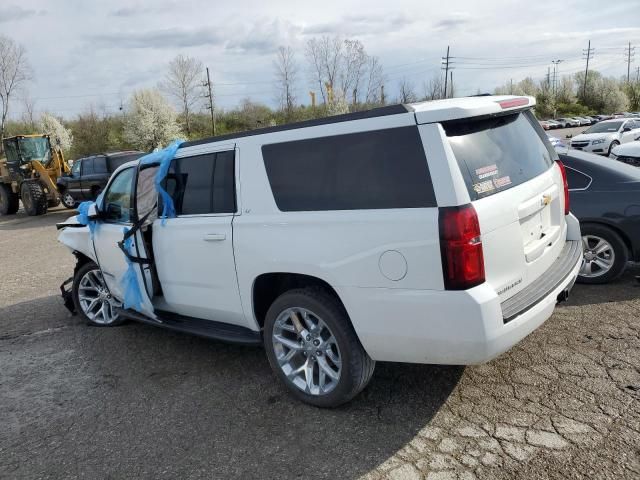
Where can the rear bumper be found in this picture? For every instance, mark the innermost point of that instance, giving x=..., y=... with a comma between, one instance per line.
x=446, y=327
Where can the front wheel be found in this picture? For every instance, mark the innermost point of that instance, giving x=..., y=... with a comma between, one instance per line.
x=604, y=256
x=67, y=200
x=33, y=197
x=613, y=145
x=92, y=299
x=313, y=349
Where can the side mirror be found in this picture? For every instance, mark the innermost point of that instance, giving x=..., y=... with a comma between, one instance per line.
x=569, y=136
x=93, y=212
x=626, y=129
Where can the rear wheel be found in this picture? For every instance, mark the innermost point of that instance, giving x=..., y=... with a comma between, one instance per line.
x=9, y=201
x=313, y=349
x=92, y=299
x=33, y=197
x=604, y=255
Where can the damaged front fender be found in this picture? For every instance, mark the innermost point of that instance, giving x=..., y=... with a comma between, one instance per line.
x=76, y=237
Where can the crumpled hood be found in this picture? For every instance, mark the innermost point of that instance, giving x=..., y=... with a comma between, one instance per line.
x=592, y=136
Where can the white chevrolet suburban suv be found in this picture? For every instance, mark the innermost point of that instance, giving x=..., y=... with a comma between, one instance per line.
x=434, y=232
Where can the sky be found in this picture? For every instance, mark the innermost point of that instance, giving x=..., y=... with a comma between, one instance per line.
x=85, y=53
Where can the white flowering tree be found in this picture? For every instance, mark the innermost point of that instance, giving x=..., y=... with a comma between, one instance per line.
x=151, y=121
x=60, y=135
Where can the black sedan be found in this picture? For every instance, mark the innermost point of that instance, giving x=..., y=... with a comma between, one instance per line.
x=605, y=196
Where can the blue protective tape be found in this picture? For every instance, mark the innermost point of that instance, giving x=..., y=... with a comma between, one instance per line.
x=163, y=157
x=130, y=285
x=83, y=216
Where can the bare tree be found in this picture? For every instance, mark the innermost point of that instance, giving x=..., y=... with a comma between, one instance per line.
x=354, y=61
x=374, y=80
x=433, y=89
x=406, y=92
x=325, y=56
x=14, y=72
x=286, y=75
x=183, y=81
x=28, y=115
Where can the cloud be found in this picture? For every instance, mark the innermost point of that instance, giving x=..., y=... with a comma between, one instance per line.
x=263, y=37
x=14, y=12
x=137, y=10
x=360, y=25
x=166, y=38
x=592, y=33
x=456, y=20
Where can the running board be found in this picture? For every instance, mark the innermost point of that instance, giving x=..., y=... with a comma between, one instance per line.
x=224, y=332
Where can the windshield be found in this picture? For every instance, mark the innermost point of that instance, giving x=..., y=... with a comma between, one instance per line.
x=605, y=127
x=35, y=148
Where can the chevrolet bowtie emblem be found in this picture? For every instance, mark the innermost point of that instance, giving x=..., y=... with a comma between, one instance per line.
x=546, y=200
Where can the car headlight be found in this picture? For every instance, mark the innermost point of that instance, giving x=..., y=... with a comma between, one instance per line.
x=597, y=142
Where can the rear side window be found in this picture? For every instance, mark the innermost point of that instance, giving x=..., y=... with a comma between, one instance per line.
x=367, y=170
x=498, y=153
x=203, y=184
x=576, y=180
x=117, y=161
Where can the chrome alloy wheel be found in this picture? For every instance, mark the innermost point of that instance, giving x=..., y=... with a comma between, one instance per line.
x=68, y=200
x=306, y=351
x=597, y=256
x=95, y=300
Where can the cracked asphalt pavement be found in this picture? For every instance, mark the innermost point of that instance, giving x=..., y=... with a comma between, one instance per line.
x=139, y=402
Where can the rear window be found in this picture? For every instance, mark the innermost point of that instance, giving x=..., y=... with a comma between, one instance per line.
x=118, y=161
x=497, y=153
x=378, y=169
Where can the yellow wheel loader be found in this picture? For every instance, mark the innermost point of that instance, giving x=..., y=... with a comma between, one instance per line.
x=29, y=173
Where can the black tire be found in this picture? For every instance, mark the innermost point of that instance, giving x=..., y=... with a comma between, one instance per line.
x=9, y=201
x=80, y=273
x=357, y=366
x=613, y=144
x=620, y=251
x=67, y=200
x=53, y=202
x=34, y=199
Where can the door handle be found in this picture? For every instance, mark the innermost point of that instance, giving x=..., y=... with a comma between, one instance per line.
x=214, y=237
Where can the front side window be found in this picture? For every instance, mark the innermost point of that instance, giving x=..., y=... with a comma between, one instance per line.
x=378, y=169
x=498, y=153
x=117, y=205
x=75, y=170
x=100, y=165
x=87, y=166
x=203, y=184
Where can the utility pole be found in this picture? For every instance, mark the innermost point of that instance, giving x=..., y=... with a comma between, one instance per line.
x=555, y=85
x=209, y=95
x=630, y=52
x=549, y=78
x=445, y=62
x=588, y=54
x=451, y=82
x=382, y=94
x=313, y=99
x=637, y=74
x=511, y=86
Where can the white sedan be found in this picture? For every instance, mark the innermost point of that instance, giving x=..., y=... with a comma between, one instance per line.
x=627, y=153
x=603, y=137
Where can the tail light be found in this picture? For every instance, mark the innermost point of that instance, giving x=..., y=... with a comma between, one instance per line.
x=461, y=247
x=563, y=171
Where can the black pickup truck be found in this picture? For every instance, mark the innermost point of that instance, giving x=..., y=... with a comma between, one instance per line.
x=89, y=175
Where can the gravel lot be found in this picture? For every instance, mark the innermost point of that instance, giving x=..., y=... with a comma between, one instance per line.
x=139, y=402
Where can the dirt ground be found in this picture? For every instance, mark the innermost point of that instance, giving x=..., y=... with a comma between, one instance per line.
x=139, y=402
